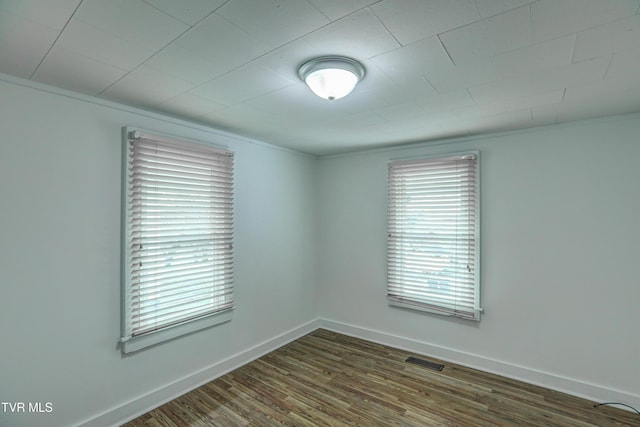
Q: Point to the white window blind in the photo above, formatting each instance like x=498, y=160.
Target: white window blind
x=178, y=237
x=433, y=235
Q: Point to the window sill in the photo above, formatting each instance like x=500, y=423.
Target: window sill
x=133, y=344
x=443, y=311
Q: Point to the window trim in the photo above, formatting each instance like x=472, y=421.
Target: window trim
x=132, y=343
x=475, y=313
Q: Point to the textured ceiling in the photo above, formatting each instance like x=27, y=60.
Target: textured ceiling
x=435, y=68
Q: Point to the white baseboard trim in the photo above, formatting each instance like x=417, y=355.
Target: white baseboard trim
x=143, y=404
x=570, y=386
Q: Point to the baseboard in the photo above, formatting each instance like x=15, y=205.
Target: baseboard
x=570, y=386
x=142, y=404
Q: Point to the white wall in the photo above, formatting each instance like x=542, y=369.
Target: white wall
x=559, y=253
x=559, y=257
x=60, y=172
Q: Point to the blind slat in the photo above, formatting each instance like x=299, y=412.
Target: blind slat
x=433, y=231
x=179, y=250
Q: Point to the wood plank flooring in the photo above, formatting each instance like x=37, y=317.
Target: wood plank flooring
x=328, y=379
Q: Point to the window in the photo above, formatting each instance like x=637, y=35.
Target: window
x=433, y=235
x=177, y=238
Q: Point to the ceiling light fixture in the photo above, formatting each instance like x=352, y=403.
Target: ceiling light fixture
x=331, y=77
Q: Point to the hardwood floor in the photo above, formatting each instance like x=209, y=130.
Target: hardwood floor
x=328, y=379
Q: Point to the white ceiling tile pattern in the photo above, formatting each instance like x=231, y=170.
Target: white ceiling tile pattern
x=83, y=38
x=578, y=73
x=491, y=36
x=76, y=72
x=188, y=11
x=435, y=68
x=23, y=44
x=412, y=20
x=489, y=8
x=197, y=107
x=181, y=63
x=620, y=65
x=359, y=34
x=146, y=87
x=425, y=57
x=246, y=82
x=612, y=37
x=55, y=16
x=221, y=43
x=131, y=20
x=555, y=18
x=335, y=9
x=275, y=22
x=541, y=56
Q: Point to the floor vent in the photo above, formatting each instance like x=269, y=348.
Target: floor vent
x=425, y=363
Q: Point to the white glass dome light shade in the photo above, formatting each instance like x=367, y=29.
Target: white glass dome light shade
x=331, y=83
x=331, y=77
